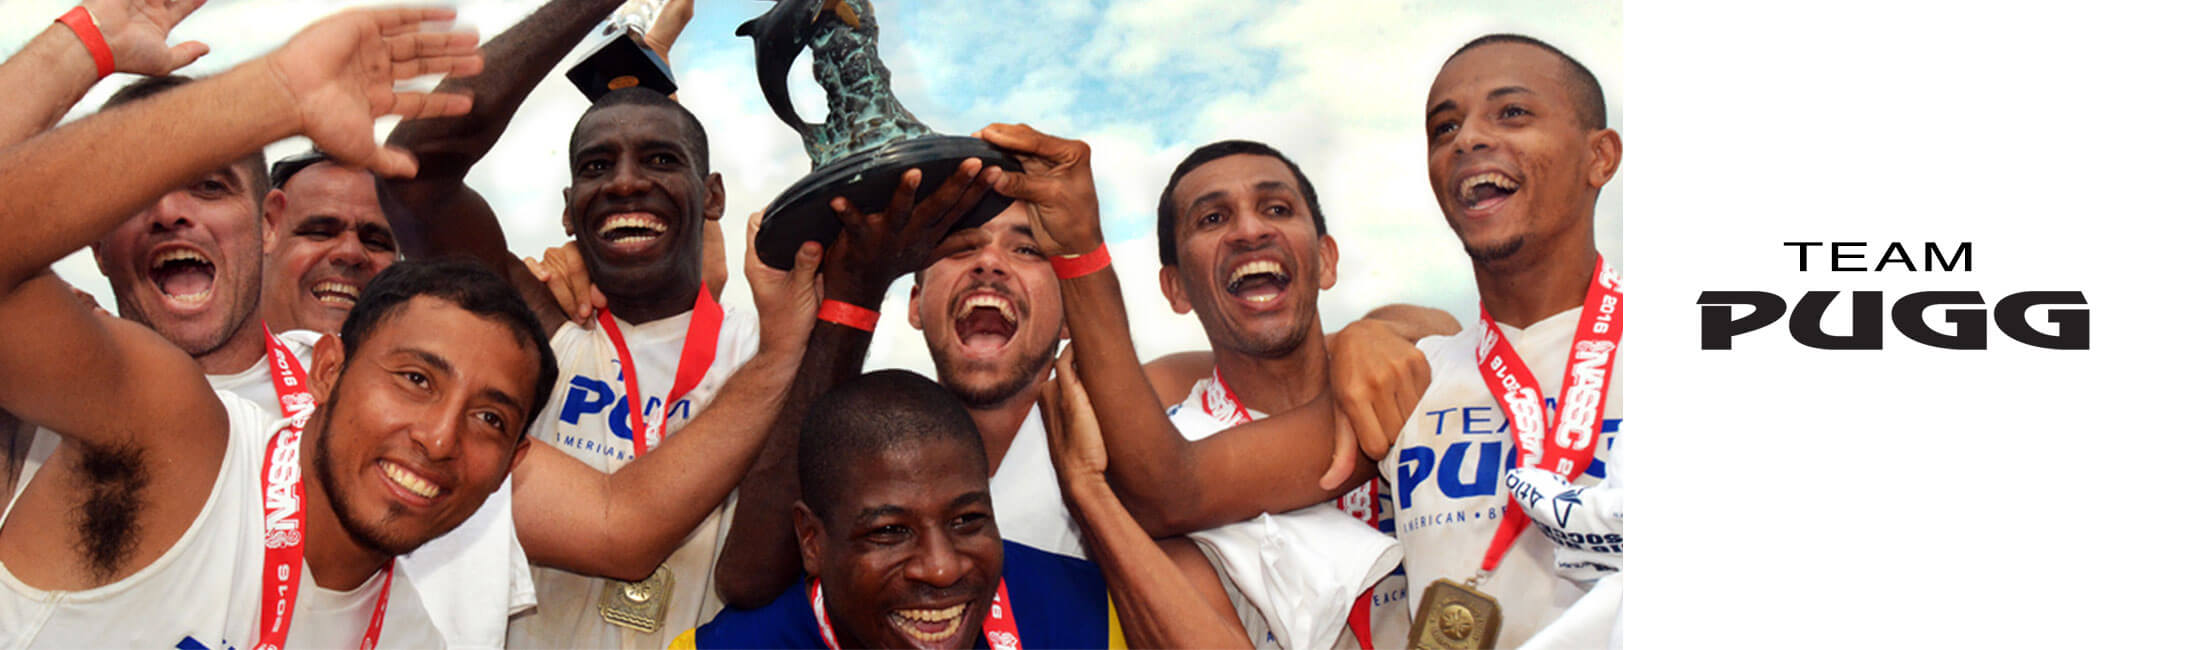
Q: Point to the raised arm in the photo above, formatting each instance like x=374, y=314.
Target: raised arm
x=54, y=70
x=436, y=213
x=567, y=512
x=1158, y=605
x=1171, y=486
x=760, y=558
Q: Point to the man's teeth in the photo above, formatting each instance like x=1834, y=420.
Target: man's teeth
x=1495, y=179
x=988, y=300
x=640, y=221
x=953, y=616
x=1257, y=266
x=413, y=482
x=330, y=291
x=179, y=255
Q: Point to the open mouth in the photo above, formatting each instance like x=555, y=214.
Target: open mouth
x=185, y=276
x=1486, y=190
x=335, y=293
x=1258, y=282
x=409, y=482
x=930, y=625
x=632, y=230
x=985, y=321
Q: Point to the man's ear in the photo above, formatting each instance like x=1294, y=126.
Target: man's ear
x=1174, y=289
x=569, y=229
x=277, y=202
x=808, y=527
x=327, y=363
x=912, y=305
x=1604, y=159
x=715, y=197
x=1326, y=262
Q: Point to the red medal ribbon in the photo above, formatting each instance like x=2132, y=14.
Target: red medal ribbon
x=282, y=496
x=699, y=353
x=1573, y=430
x=1219, y=402
x=1001, y=628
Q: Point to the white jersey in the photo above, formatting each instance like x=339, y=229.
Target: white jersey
x=1293, y=576
x=1446, y=470
x=1030, y=507
x=471, y=579
x=588, y=417
x=204, y=591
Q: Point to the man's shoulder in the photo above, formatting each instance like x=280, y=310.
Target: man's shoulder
x=786, y=622
x=1058, y=600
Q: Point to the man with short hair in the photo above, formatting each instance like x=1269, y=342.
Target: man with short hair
x=325, y=236
x=898, y=534
x=1518, y=152
x=406, y=450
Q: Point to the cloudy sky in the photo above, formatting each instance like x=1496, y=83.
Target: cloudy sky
x=1336, y=84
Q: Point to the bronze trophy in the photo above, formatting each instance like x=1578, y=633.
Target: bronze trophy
x=869, y=139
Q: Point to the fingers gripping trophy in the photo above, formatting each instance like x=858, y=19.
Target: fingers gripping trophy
x=867, y=142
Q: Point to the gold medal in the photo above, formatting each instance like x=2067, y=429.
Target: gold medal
x=1454, y=617
x=641, y=605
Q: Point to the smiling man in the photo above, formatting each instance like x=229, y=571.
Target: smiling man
x=325, y=237
x=898, y=535
x=179, y=505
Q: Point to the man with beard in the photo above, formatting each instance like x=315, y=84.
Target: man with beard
x=631, y=391
x=183, y=267
x=159, y=505
x=1518, y=151
x=899, y=537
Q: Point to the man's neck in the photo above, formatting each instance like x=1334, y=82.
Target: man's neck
x=672, y=301
x=1280, y=384
x=999, y=424
x=237, y=354
x=1521, y=292
x=338, y=561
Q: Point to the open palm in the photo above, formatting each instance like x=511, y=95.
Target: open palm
x=341, y=72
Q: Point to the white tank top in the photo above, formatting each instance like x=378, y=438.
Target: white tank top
x=1446, y=471
x=203, y=592
x=588, y=417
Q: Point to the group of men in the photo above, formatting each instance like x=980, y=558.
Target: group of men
x=288, y=436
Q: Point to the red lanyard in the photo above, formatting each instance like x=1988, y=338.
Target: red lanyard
x=1581, y=408
x=1219, y=402
x=1001, y=628
x=692, y=364
x=282, y=496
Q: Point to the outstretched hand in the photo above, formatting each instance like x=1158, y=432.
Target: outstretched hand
x=136, y=33
x=1377, y=378
x=874, y=249
x=341, y=73
x=1075, y=438
x=787, y=300
x=1058, y=187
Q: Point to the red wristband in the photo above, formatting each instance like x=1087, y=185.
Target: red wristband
x=848, y=315
x=79, y=20
x=1073, y=266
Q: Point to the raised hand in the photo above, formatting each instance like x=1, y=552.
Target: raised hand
x=1058, y=187
x=875, y=249
x=1075, y=439
x=136, y=32
x=564, y=273
x=341, y=72
x=787, y=300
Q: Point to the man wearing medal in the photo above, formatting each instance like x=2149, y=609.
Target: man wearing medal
x=1518, y=151
x=201, y=517
x=187, y=266
x=662, y=404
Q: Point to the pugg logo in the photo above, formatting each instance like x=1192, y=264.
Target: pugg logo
x=1966, y=330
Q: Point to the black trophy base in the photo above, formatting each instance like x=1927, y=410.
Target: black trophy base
x=867, y=179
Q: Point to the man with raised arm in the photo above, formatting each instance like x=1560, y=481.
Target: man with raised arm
x=658, y=410
x=159, y=506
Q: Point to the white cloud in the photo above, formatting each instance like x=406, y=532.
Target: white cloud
x=1338, y=85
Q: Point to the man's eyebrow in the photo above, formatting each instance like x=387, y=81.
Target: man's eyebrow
x=1212, y=195
x=1447, y=105
x=968, y=499
x=876, y=512
x=320, y=221
x=428, y=358
x=1510, y=90
x=1273, y=186
x=1027, y=231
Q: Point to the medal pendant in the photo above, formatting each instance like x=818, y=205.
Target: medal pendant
x=1454, y=617
x=641, y=605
